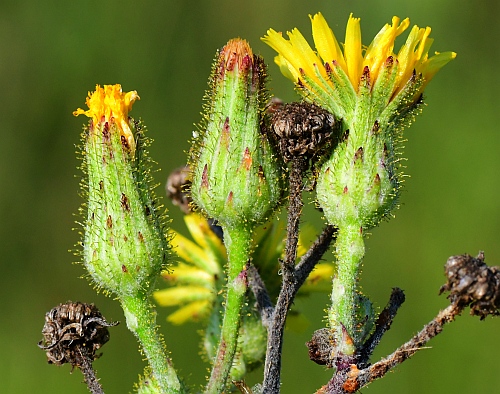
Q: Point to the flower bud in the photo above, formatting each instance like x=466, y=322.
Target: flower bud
x=376, y=92
x=236, y=175
x=124, y=247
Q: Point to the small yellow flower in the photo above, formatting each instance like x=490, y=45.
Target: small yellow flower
x=109, y=103
x=297, y=60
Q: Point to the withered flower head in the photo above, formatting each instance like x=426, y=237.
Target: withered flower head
x=301, y=129
x=73, y=331
x=473, y=283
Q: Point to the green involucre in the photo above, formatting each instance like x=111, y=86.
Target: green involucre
x=124, y=246
x=237, y=177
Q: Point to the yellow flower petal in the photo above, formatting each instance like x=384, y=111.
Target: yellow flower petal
x=430, y=67
x=286, y=52
x=109, y=103
x=320, y=279
x=325, y=41
x=408, y=55
x=187, y=274
x=286, y=68
x=205, y=238
x=307, y=56
x=181, y=295
x=382, y=45
x=352, y=50
x=195, y=311
x=191, y=252
x=295, y=55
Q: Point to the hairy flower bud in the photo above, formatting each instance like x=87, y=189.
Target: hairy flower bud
x=236, y=175
x=124, y=247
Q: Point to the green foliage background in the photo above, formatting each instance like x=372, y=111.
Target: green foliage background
x=53, y=52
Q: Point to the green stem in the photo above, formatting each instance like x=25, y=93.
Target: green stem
x=141, y=320
x=237, y=241
x=350, y=249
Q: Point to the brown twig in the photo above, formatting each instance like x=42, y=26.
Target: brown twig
x=471, y=283
x=272, y=368
x=382, y=325
x=309, y=260
x=88, y=372
x=258, y=288
x=352, y=379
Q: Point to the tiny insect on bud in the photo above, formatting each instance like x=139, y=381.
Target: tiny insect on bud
x=177, y=188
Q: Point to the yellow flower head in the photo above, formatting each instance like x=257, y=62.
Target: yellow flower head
x=297, y=60
x=109, y=103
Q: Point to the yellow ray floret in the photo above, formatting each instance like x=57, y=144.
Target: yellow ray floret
x=195, y=311
x=296, y=58
x=110, y=103
x=181, y=295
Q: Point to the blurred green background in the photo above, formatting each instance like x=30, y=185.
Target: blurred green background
x=53, y=52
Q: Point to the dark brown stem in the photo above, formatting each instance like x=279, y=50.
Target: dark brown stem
x=85, y=365
x=407, y=350
x=314, y=254
x=353, y=379
x=299, y=166
x=264, y=304
x=382, y=325
x=272, y=368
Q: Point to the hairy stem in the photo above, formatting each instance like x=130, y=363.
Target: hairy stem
x=88, y=372
x=141, y=320
x=350, y=249
x=238, y=243
x=272, y=368
x=258, y=288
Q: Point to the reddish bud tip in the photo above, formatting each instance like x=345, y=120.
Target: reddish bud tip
x=236, y=55
x=359, y=154
x=225, y=136
x=247, y=159
x=204, y=177
x=365, y=77
x=328, y=68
